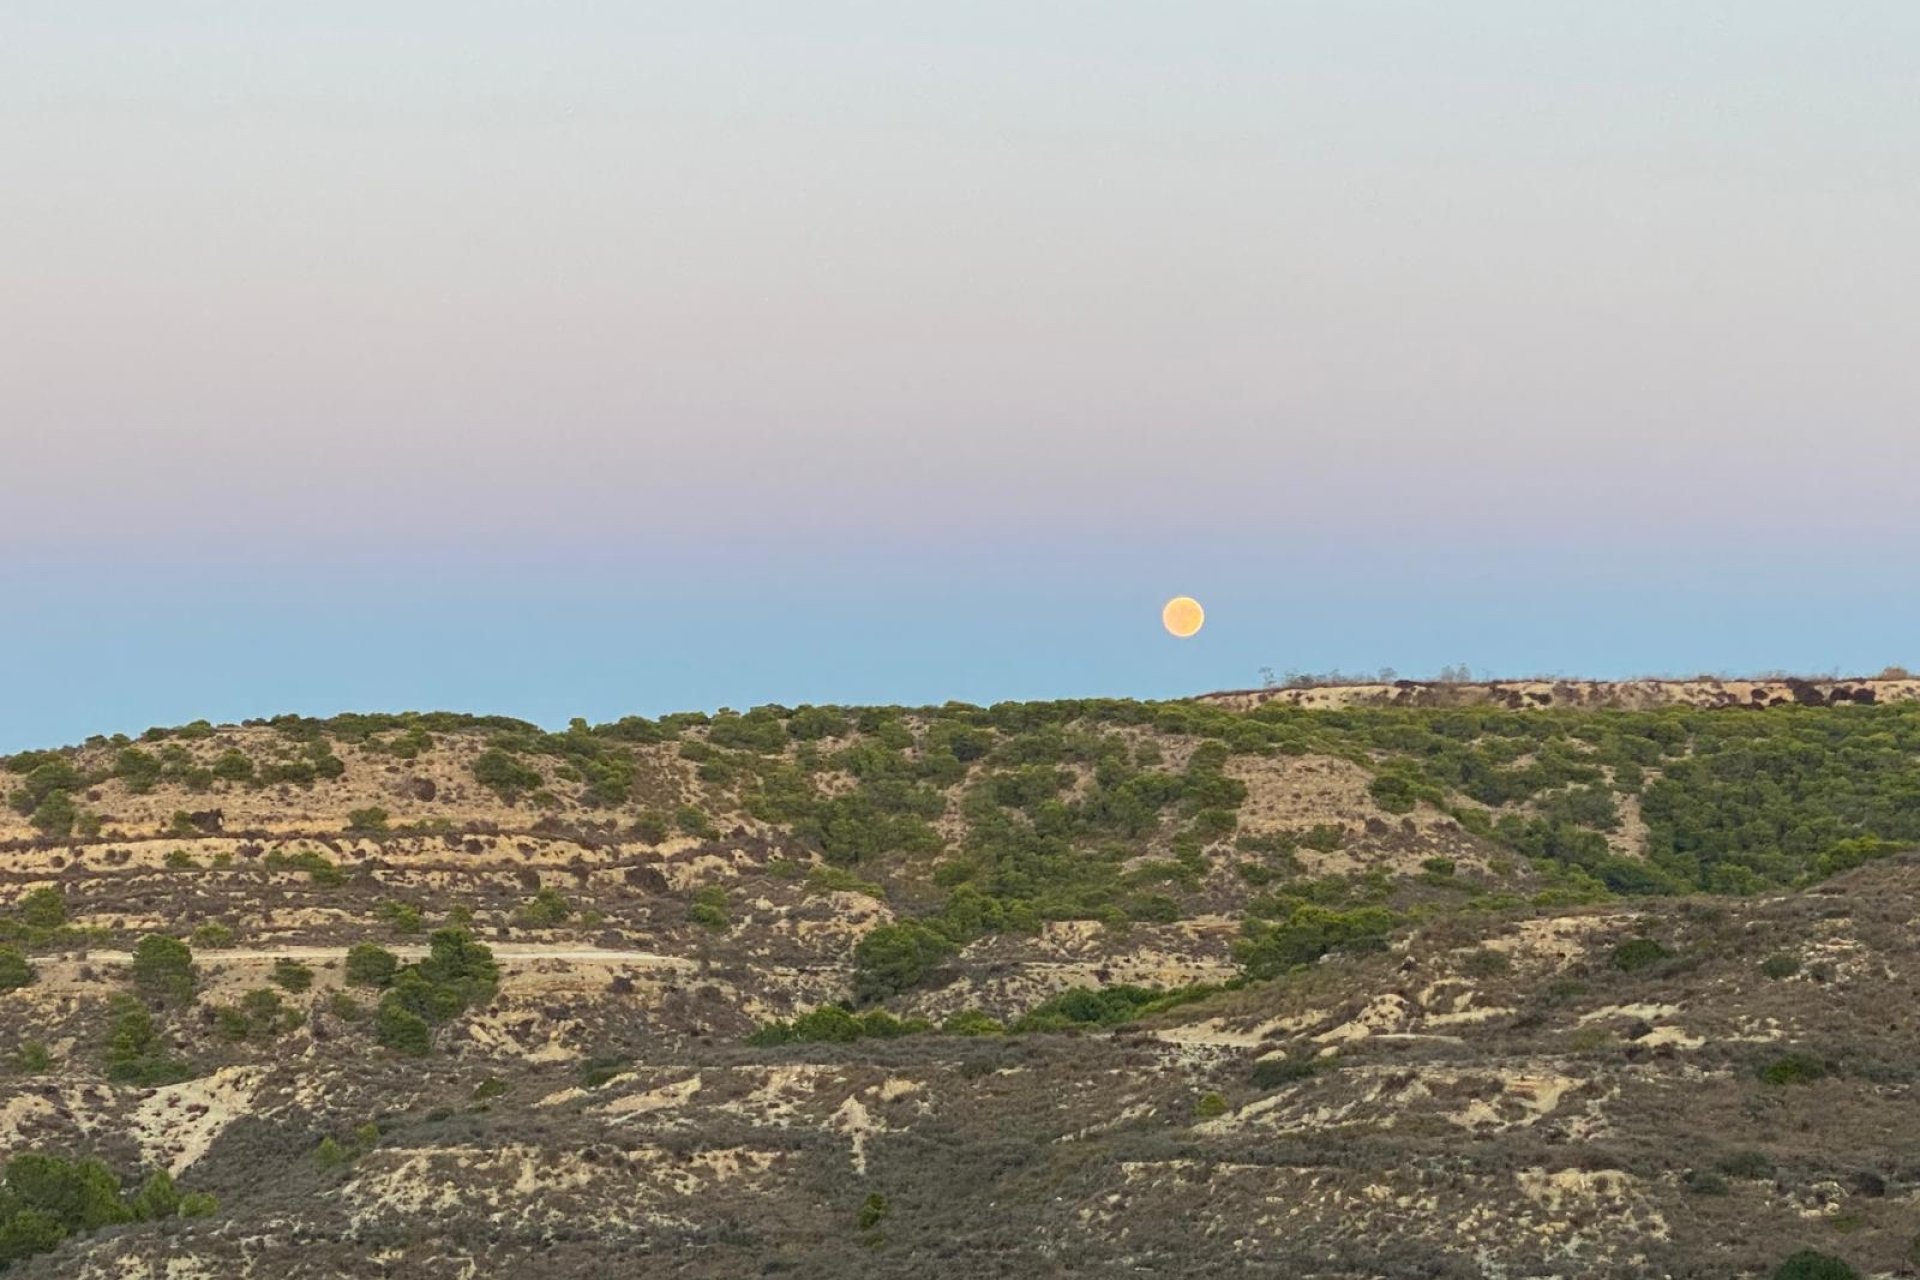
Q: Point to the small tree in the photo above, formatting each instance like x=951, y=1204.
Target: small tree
x=15, y=972
x=292, y=975
x=369, y=821
x=402, y=1030
x=163, y=968
x=371, y=965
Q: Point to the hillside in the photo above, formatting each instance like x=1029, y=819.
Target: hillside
x=1604, y=985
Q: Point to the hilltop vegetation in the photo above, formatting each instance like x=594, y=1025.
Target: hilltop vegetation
x=747, y=940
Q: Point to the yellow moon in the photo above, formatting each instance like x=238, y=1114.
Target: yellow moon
x=1183, y=616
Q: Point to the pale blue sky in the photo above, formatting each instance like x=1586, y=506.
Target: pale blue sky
x=375, y=355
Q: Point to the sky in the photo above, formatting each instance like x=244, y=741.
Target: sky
x=595, y=359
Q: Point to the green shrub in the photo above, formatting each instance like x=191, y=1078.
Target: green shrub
x=505, y=776
x=371, y=965
x=1271, y=1073
x=198, y=1204
x=211, y=936
x=1636, y=954
x=291, y=975
x=649, y=828
x=874, y=1211
x=42, y=908
x=163, y=968
x=402, y=917
x=457, y=974
x=46, y=1198
x=1705, y=1182
x=1793, y=1068
x=545, y=909
x=829, y=1023
x=157, y=1198
x=709, y=908
x=32, y=1058
x=368, y=821
x=972, y=1022
x=15, y=972
x=1394, y=792
x=179, y=860
x=693, y=822
x=135, y=1052
x=1308, y=932
x=1210, y=1106
x=1809, y=1264
x=594, y=1072
x=1745, y=1164
x=232, y=765
x=56, y=816
x=896, y=957
x=402, y=1030
x=1780, y=966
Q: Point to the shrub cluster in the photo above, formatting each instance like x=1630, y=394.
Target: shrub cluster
x=46, y=1198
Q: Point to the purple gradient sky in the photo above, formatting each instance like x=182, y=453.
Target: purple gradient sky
x=577, y=358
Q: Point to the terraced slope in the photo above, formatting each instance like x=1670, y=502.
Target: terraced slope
x=1075, y=988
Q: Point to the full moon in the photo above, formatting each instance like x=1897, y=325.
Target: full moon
x=1183, y=616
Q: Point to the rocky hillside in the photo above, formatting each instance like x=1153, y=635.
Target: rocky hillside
x=1064, y=988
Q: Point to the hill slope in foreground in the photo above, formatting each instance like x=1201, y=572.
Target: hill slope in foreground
x=1083, y=988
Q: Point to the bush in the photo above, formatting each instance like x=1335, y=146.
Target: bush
x=1308, y=932
x=709, y=908
x=693, y=822
x=1705, y=1182
x=1210, y=1106
x=1808, y=1264
x=163, y=968
x=594, y=1072
x=371, y=965
x=505, y=776
x=1271, y=1073
x=15, y=972
x=1793, y=1068
x=830, y=1024
x=135, y=1053
x=46, y=1198
x=32, y=1058
x=873, y=1211
x=457, y=974
x=896, y=957
x=212, y=936
x=292, y=975
x=545, y=909
x=1745, y=1164
x=43, y=908
x=402, y=1030
x=157, y=1198
x=56, y=816
x=1636, y=954
x=972, y=1022
x=404, y=917
x=369, y=821
x=1780, y=966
